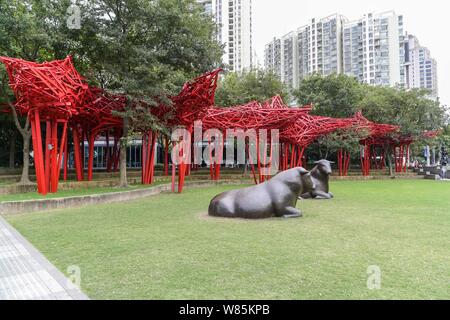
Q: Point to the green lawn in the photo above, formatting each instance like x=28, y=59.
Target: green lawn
x=164, y=247
x=71, y=193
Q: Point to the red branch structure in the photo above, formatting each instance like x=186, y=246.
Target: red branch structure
x=56, y=98
x=49, y=93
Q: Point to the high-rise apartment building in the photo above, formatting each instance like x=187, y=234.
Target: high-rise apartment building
x=420, y=67
x=373, y=49
x=370, y=48
x=272, y=56
x=313, y=48
x=234, y=30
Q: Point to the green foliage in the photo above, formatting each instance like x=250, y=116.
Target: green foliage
x=346, y=139
x=141, y=48
x=256, y=85
x=146, y=49
x=333, y=96
x=444, y=138
x=341, y=96
x=409, y=109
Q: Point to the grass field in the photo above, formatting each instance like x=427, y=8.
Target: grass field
x=165, y=247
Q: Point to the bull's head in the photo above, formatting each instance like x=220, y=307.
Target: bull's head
x=324, y=166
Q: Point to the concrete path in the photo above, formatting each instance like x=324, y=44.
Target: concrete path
x=25, y=274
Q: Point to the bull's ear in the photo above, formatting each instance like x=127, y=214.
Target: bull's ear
x=331, y=162
x=303, y=171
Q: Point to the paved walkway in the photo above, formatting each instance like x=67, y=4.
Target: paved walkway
x=25, y=274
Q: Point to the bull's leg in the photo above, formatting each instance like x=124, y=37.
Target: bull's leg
x=308, y=195
x=323, y=195
x=291, y=212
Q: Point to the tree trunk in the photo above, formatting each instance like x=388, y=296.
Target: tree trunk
x=12, y=150
x=25, y=132
x=25, y=179
x=123, y=155
x=389, y=160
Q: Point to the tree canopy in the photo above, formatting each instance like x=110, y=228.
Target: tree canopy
x=255, y=85
x=333, y=96
x=342, y=96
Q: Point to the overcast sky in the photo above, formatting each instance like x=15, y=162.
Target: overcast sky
x=428, y=20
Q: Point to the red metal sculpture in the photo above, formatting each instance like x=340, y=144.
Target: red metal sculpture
x=55, y=94
x=50, y=93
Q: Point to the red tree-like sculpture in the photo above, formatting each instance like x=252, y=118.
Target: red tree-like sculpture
x=54, y=93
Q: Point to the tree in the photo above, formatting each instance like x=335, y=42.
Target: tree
x=256, y=85
x=335, y=95
x=412, y=110
x=346, y=139
x=145, y=50
x=342, y=96
x=22, y=35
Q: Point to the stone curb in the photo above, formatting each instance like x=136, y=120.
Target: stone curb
x=28, y=206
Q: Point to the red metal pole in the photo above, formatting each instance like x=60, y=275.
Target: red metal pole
x=48, y=139
x=152, y=160
x=54, y=158
x=77, y=154
x=91, y=155
x=107, y=153
x=181, y=171
x=258, y=159
x=62, y=149
x=166, y=156
x=35, y=154
x=173, y=170
x=143, y=158
x=40, y=165
x=211, y=165
x=66, y=155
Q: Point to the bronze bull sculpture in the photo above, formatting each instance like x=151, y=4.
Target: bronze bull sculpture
x=276, y=197
x=320, y=175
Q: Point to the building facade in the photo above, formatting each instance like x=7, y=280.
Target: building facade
x=420, y=67
x=373, y=49
x=233, y=19
x=272, y=56
x=313, y=48
x=370, y=48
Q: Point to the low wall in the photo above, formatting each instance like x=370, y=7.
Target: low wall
x=27, y=206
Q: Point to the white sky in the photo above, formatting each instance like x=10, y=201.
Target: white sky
x=428, y=20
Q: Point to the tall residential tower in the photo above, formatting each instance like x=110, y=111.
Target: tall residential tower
x=421, y=68
x=370, y=48
x=234, y=30
x=313, y=48
x=373, y=49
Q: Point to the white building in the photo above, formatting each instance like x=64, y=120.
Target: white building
x=272, y=56
x=421, y=68
x=313, y=48
x=370, y=49
x=373, y=49
x=234, y=30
